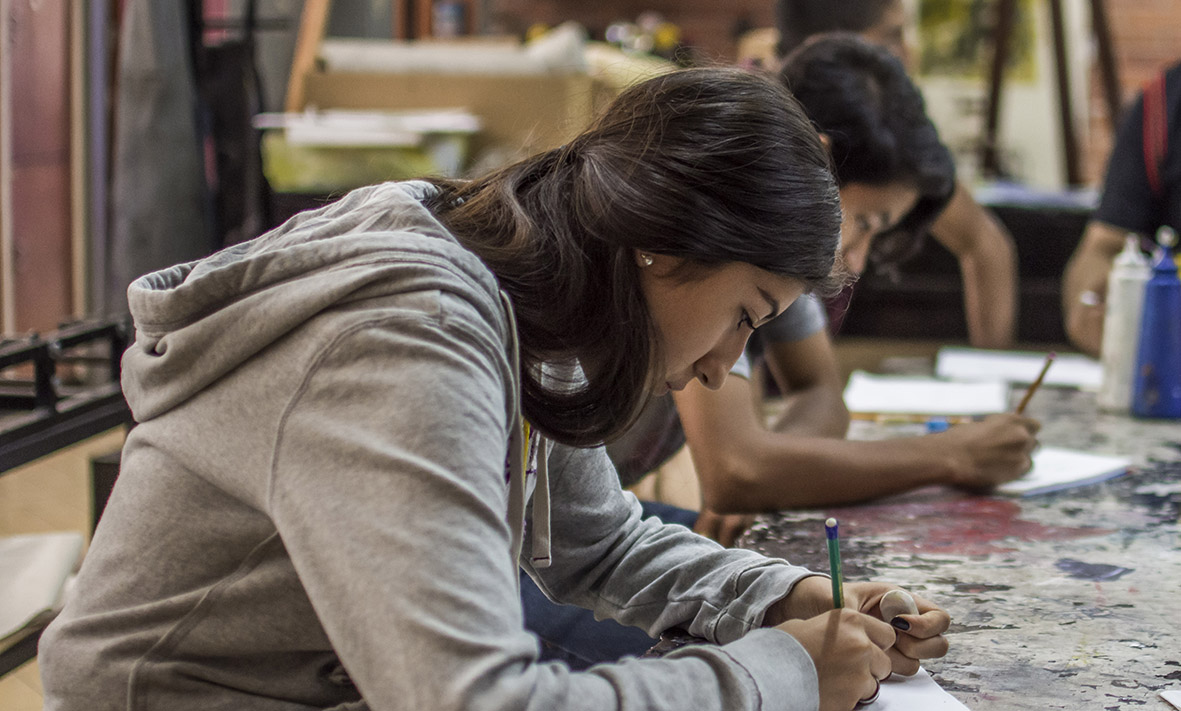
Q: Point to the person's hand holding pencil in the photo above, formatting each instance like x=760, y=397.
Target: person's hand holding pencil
x=853, y=647
x=983, y=455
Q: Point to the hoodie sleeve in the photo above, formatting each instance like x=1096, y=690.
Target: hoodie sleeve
x=388, y=490
x=642, y=572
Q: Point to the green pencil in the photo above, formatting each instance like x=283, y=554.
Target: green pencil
x=834, y=562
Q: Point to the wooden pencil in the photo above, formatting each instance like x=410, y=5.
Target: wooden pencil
x=1036, y=383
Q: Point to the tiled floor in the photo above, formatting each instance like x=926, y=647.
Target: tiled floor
x=51, y=494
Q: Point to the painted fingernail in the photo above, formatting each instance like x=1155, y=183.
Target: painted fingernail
x=900, y=623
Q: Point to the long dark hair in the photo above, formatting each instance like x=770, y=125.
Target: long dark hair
x=713, y=165
x=798, y=20
x=858, y=94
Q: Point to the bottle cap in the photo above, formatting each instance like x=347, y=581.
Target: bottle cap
x=937, y=424
x=1166, y=236
x=1131, y=255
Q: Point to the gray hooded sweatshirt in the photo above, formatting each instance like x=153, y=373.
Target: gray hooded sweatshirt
x=314, y=512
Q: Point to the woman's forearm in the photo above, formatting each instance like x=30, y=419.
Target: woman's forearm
x=773, y=470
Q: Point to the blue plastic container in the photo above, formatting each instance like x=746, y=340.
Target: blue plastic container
x=1157, y=385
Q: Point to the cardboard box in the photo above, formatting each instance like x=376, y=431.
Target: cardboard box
x=520, y=114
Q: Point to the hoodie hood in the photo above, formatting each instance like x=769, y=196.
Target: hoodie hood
x=195, y=322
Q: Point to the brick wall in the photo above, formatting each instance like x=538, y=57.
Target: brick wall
x=1146, y=36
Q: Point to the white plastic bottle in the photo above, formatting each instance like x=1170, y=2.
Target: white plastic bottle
x=1121, y=325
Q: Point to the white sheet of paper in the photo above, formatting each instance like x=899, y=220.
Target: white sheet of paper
x=1173, y=697
x=33, y=571
x=1055, y=469
x=914, y=693
x=1019, y=367
x=871, y=394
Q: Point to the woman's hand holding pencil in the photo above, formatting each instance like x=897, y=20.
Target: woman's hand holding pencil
x=985, y=454
x=853, y=648
x=869, y=631
x=849, y=651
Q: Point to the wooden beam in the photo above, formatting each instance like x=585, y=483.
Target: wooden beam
x=1107, y=66
x=422, y=19
x=1070, y=153
x=79, y=161
x=312, y=23
x=7, y=247
x=990, y=155
x=401, y=15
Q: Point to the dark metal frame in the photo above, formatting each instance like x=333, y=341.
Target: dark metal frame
x=40, y=416
x=23, y=650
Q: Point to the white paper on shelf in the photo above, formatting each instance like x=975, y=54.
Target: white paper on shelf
x=33, y=571
x=368, y=128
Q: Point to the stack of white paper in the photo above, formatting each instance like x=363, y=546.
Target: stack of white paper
x=33, y=571
x=868, y=394
x=1055, y=469
x=915, y=693
x=1018, y=367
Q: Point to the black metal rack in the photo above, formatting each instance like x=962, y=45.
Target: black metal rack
x=40, y=410
x=43, y=410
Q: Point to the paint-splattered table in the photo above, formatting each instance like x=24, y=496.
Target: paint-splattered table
x=1070, y=600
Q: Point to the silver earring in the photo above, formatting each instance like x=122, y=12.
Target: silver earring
x=646, y=259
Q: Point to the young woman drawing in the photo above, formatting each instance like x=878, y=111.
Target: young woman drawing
x=353, y=429
x=894, y=177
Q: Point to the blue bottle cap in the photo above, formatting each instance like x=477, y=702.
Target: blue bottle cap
x=937, y=424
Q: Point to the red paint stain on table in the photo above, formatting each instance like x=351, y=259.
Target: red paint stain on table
x=967, y=526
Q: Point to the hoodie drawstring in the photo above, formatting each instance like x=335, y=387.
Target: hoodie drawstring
x=519, y=438
x=541, y=510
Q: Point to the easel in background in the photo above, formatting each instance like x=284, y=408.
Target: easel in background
x=1006, y=10
x=412, y=19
